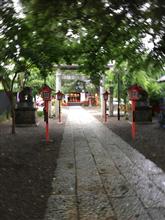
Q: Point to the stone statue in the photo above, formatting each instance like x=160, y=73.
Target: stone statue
x=25, y=97
x=25, y=111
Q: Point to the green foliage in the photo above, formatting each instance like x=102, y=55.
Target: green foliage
x=93, y=32
x=89, y=33
x=40, y=113
x=147, y=80
x=35, y=80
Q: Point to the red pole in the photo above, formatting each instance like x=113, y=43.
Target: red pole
x=133, y=119
x=47, y=125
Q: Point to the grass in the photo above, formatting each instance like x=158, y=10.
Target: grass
x=40, y=113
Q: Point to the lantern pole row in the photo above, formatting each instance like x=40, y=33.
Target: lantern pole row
x=46, y=95
x=59, y=96
x=105, y=96
x=46, y=120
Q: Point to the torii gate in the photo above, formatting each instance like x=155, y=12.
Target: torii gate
x=60, y=76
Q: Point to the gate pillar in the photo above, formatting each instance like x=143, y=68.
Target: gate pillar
x=58, y=88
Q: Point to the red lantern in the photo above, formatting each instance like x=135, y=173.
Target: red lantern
x=46, y=93
x=59, y=98
x=59, y=95
x=134, y=92
x=105, y=95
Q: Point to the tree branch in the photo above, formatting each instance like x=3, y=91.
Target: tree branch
x=12, y=82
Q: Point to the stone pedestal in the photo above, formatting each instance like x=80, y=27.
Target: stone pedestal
x=142, y=114
x=25, y=113
x=25, y=116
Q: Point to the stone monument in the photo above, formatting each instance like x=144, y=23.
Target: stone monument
x=25, y=112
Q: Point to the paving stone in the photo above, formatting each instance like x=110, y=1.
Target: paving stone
x=88, y=178
x=117, y=186
x=67, y=144
x=66, y=148
x=104, y=134
x=106, y=166
x=83, y=158
x=134, y=176
x=129, y=208
x=89, y=184
x=110, y=178
x=144, y=188
x=121, y=161
x=159, y=180
x=67, y=136
x=84, y=161
x=89, y=133
x=139, y=160
x=146, y=165
x=150, y=195
x=63, y=183
x=132, y=153
x=157, y=213
x=95, y=207
x=82, y=148
x=64, y=177
x=66, y=163
x=61, y=207
x=102, y=159
x=149, y=167
x=68, y=153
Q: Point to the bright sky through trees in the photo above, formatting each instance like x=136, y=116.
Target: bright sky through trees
x=147, y=40
x=18, y=8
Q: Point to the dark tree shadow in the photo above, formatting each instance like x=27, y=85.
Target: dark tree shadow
x=27, y=166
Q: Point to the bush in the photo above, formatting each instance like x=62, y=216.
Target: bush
x=40, y=113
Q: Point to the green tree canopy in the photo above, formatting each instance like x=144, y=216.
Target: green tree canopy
x=93, y=32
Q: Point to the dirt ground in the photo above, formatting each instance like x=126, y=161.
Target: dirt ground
x=149, y=139
x=27, y=166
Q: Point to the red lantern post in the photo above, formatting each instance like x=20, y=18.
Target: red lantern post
x=133, y=92
x=59, y=98
x=46, y=95
x=105, y=96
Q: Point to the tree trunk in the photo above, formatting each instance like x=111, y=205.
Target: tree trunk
x=9, y=92
x=13, y=118
x=12, y=102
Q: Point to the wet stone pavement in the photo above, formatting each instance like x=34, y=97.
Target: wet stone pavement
x=100, y=176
